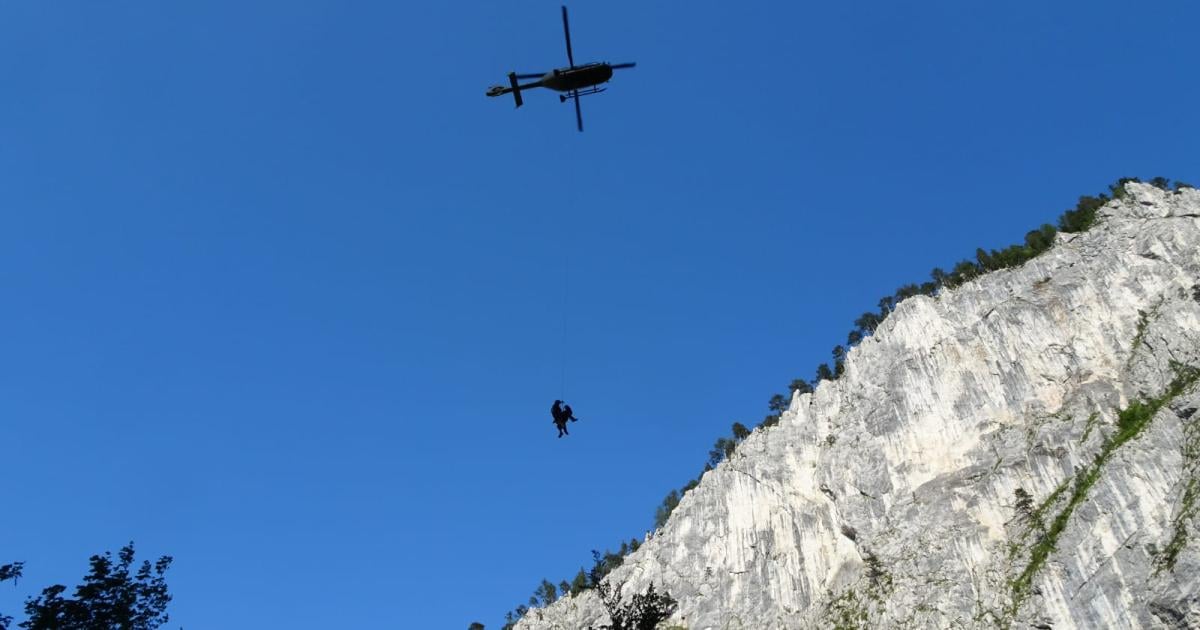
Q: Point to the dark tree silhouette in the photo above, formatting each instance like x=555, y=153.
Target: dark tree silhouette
x=800, y=385
x=721, y=450
x=644, y=611
x=9, y=572
x=986, y=260
x=964, y=271
x=545, y=595
x=580, y=583
x=867, y=322
x=1024, y=504
x=1118, y=189
x=887, y=304
x=839, y=360
x=1083, y=215
x=109, y=598
x=1040, y=240
x=740, y=432
x=824, y=373
x=664, y=511
x=603, y=564
x=906, y=291
x=475, y=625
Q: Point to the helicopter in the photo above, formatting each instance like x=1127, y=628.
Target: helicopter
x=576, y=81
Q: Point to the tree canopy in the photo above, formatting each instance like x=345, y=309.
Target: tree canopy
x=113, y=596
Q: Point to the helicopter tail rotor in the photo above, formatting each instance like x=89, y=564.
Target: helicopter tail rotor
x=516, y=89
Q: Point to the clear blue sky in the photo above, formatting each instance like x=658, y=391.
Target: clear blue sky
x=281, y=292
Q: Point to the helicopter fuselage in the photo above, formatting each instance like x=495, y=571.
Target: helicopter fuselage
x=577, y=78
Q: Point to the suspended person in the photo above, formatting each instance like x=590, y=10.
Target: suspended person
x=560, y=417
x=568, y=414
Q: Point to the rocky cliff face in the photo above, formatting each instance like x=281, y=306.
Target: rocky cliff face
x=892, y=497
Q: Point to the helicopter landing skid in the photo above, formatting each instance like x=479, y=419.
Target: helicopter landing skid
x=562, y=98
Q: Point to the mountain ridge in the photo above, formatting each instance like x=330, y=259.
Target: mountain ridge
x=889, y=496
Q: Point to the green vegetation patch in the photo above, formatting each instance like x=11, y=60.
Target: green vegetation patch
x=1144, y=320
x=851, y=610
x=1179, y=537
x=1091, y=424
x=847, y=612
x=1189, y=506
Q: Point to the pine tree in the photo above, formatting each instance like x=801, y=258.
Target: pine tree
x=964, y=271
x=1118, y=189
x=740, y=432
x=1040, y=240
x=985, y=259
x=721, y=450
x=800, y=385
x=664, y=511
x=1083, y=215
x=1024, y=504
x=906, y=291
x=580, y=582
x=839, y=360
x=545, y=595
x=867, y=322
x=824, y=373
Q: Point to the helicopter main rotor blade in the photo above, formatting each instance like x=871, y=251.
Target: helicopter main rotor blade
x=531, y=75
x=619, y=66
x=578, y=112
x=567, y=32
